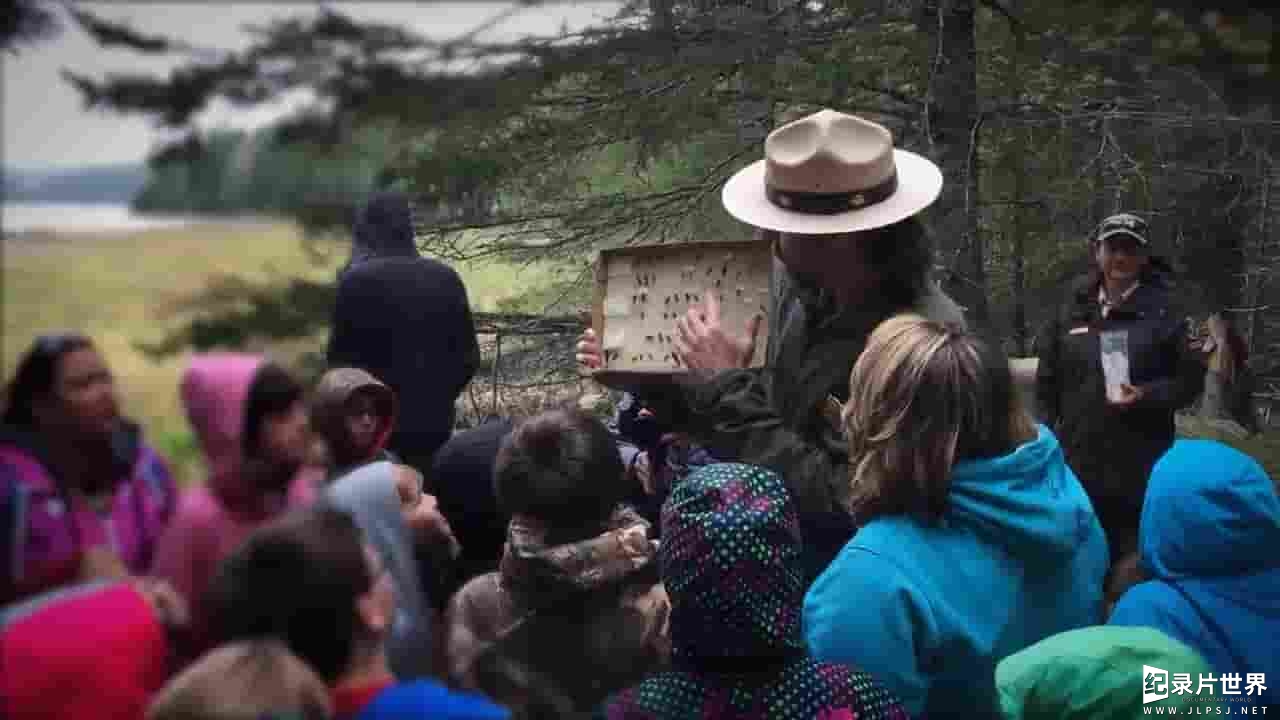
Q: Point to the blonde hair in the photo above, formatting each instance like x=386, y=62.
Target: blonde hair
x=923, y=396
x=244, y=681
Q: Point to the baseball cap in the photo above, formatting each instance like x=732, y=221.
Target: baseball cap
x=1123, y=224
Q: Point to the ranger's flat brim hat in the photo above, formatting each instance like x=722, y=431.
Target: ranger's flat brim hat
x=831, y=173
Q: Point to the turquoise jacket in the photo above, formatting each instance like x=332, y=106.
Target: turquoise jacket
x=929, y=609
x=1208, y=539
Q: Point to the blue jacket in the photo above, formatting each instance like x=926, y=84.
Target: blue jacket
x=1208, y=537
x=428, y=699
x=370, y=495
x=929, y=609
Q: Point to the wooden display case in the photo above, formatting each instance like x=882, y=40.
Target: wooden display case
x=640, y=293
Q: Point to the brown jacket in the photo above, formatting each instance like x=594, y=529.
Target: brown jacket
x=558, y=610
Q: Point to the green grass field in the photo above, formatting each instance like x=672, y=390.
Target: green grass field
x=120, y=289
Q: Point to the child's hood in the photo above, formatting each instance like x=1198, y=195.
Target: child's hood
x=215, y=394
x=328, y=408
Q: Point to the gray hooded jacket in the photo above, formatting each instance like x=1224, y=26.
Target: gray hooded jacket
x=369, y=494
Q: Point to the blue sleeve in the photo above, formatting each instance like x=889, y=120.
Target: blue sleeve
x=1137, y=608
x=1185, y=379
x=1151, y=604
x=1155, y=605
x=160, y=479
x=13, y=521
x=864, y=612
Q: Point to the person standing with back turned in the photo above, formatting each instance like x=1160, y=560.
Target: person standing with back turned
x=406, y=320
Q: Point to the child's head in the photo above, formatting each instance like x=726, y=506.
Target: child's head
x=354, y=413
x=747, y=602
x=275, y=425
x=63, y=386
x=244, y=681
x=311, y=580
x=563, y=469
x=922, y=397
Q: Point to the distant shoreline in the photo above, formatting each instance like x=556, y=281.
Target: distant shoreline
x=38, y=222
x=36, y=239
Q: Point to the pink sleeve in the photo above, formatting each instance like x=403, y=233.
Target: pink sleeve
x=187, y=557
x=186, y=553
x=306, y=486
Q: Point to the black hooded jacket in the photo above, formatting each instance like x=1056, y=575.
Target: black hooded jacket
x=1112, y=450
x=406, y=320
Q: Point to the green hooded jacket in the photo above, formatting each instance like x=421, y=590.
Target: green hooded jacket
x=1098, y=673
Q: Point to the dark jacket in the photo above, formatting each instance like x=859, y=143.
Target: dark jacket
x=670, y=455
x=462, y=480
x=1112, y=450
x=405, y=319
x=774, y=416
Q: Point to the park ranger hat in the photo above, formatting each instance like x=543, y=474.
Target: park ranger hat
x=831, y=173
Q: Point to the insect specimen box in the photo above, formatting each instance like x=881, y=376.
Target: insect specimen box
x=642, y=291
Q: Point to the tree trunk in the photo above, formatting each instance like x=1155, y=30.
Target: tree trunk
x=662, y=22
x=952, y=124
x=754, y=115
x=1258, y=286
x=1021, y=336
x=1258, y=337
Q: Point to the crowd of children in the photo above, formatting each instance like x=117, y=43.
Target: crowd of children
x=871, y=526
x=294, y=581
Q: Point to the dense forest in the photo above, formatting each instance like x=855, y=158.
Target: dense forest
x=1044, y=116
x=260, y=172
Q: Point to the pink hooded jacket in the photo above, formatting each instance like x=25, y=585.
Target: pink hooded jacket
x=212, y=519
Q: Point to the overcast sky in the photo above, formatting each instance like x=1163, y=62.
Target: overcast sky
x=45, y=124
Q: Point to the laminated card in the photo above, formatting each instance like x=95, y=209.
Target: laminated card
x=642, y=291
x=1114, y=345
